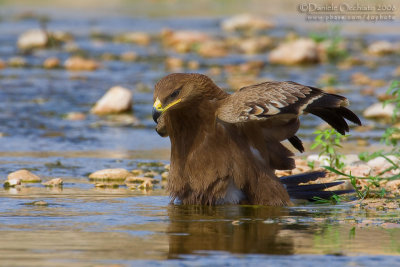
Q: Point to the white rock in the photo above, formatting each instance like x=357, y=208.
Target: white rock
x=381, y=162
x=295, y=52
x=111, y=174
x=24, y=176
x=246, y=21
x=12, y=182
x=117, y=100
x=322, y=160
x=32, y=39
x=377, y=110
x=381, y=48
x=54, y=182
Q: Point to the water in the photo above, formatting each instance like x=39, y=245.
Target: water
x=83, y=225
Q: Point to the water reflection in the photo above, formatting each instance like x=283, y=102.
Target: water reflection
x=235, y=229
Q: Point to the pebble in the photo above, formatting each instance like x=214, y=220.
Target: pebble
x=40, y=203
x=106, y=185
x=140, y=38
x=75, y=116
x=378, y=111
x=117, y=100
x=17, y=62
x=137, y=172
x=193, y=64
x=174, y=63
x=110, y=174
x=129, y=56
x=380, y=48
x=322, y=160
x=246, y=22
x=172, y=38
x=25, y=176
x=150, y=174
x=255, y=45
x=164, y=175
x=35, y=38
x=51, y=63
x=54, y=182
x=361, y=170
x=12, y=182
x=213, y=49
x=300, y=51
x=2, y=64
x=146, y=185
x=78, y=63
x=138, y=179
x=381, y=162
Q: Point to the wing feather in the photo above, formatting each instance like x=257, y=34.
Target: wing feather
x=285, y=100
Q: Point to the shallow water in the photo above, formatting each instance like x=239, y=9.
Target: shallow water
x=80, y=224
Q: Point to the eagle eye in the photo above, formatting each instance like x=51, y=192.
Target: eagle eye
x=175, y=93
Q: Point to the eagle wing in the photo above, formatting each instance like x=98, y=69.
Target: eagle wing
x=284, y=101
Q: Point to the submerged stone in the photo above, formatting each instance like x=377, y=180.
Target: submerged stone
x=25, y=176
x=54, y=182
x=110, y=174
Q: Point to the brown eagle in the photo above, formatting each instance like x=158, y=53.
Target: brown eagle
x=225, y=148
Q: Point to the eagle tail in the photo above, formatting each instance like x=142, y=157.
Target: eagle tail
x=310, y=191
x=331, y=108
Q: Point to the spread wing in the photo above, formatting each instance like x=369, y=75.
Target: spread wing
x=285, y=101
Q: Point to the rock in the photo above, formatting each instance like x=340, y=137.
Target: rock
x=2, y=64
x=140, y=38
x=213, y=49
x=246, y=22
x=75, y=116
x=146, y=185
x=17, y=62
x=381, y=48
x=254, y=45
x=110, y=174
x=174, y=63
x=61, y=36
x=35, y=38
x=393, y=185
x=25, y=176
x=164, y=175
x=360, y=79
x=322, y=160
x=183, y=41
x=378, y=111
x=300, y=51
x=192, y=64
x=361, y=170
x=40, y=203
x=129, y=56
x=150, y=174
x=54, y=182
x=106, y=185
x=380, y=163
x=117, y=100
x=51, y=63
x=137, y=179
x=12, y=183
x=78, y=63
x=137, y=172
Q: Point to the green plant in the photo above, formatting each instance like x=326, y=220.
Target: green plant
x=329, y=140
x=333, y=37
x=334, y=199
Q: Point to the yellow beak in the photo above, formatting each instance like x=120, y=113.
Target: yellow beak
x=158, y=109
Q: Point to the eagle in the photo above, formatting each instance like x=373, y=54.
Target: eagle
x=225, y=148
